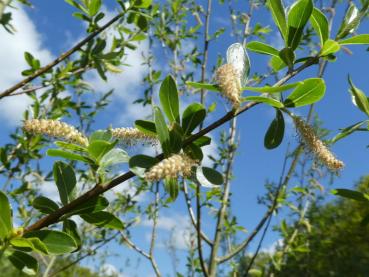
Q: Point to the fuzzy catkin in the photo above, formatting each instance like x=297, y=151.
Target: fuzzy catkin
x=228, y=79
x=56, y=129
x=316, y=146
x=172, y=167
x=132, y=135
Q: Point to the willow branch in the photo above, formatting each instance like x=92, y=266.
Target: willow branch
x=192, y=214
x=101, y=188
x=61, y=58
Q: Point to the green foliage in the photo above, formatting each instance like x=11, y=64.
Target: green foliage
x=274, y=135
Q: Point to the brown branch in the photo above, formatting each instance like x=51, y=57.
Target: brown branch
x=101, y=188
x=61, y=58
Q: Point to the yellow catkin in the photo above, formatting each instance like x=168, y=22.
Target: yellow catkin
x=132, y=136
x=172, y=167
x=315, y=145
x=56, y=129
x=228, y=79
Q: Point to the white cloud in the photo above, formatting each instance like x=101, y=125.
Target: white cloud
x=273, y=247
x=26, y=38
x=177, y=227
x=109, y=269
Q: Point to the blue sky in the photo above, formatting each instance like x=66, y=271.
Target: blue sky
x=49, y=29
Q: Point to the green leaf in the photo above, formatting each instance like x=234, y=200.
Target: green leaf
x=65, y=180
x=140, y=163
x=56, y=242
x=169, y=99
x=298, y=16
x=210, y=87
x=279, y=17
x=262, y=48
x=274, y=136
x=6, y=224
x=113, y=157
x=70, y=146
x=70, y=228
x=351, y=194
x=24, y=262
x=359, y=39
x=208, y=177
x=308, y=92
x=100, y=135
x=176, y=138
x=202, y=141
x=276, y=64
x=30, y=244
x=146, y=126
x=142, y=3
x=103, y=219
x=350, y=22
x=162, y=130
x=268, y=89
x=171, y=186
x=347, y=131
x=194, y=151
x=267, y=100
x=98, y=148
x=44, y=205
x=359, y=97
x=93, y=205
x=68, y=155
x=192, y=117
x=330, y=47
x=94, y=7
x=288, y=56
x=320, y=24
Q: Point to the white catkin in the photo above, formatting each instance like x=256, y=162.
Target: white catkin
x=132, y=136
x=228, y=79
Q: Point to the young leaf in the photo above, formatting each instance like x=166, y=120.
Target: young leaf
x=208, y=177
x=320, y=24
x=29, y=244
x=65, y=180
x=347, y=131
x=192, y=117
x=56, y=242
x=262, y=48
x=6, y=224
x=169, y=99
x=359, y=97
x=330, y=47
x=24, y=262
x=274, y=136
x=70, y=146
x=298, y=16
x=146, y=126
x=172, y=188
x=100, y=135
x=267, y=100
x=113, y=157
x=162, y=130
x=279, y=17
x=359, y=39
x=44, y=205
x=350, y=22
x=103, y=219
x=308, y=92
x=94, y=7
x=140, y=163
x=276, y=63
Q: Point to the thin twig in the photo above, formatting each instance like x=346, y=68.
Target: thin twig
x=192, y=214
x=198, y=231
x=61, y=58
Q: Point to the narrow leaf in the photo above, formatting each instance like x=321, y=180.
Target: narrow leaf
x=262, y=48
x=274, y=136
x=65, y=180
x=169, y=99
x=359, y=39
x=103, y=219
x=6, y=224
x=320, y=24
x=162, y=130
x=267, y=100
x=279, y=17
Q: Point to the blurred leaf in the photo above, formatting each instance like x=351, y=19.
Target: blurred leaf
x=330, y=47
x=30, y=244
x=279, y=17
x=70, y=228
x=98, y=148
x=162, y=131
x=209, y=177
x=347, y=131
x=210, y=87
x=359, y=39
x=359, y=97
x=192, y=117
x=171, y=186
x=288, y=56
x=100, y=135
x=140, y=163
x=113, y=157
x=6, y=224
x=146, y=126
x=268, y=89
x=103, y=219
x=267, y=100
x=24, y=262
x=351, y=194
x=93, y=205
x=68, y=155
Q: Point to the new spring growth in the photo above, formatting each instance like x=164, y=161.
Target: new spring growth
x=56, y=129
x=228, y=80
x=316, y=146
x=172, y=167
x=132, y=135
